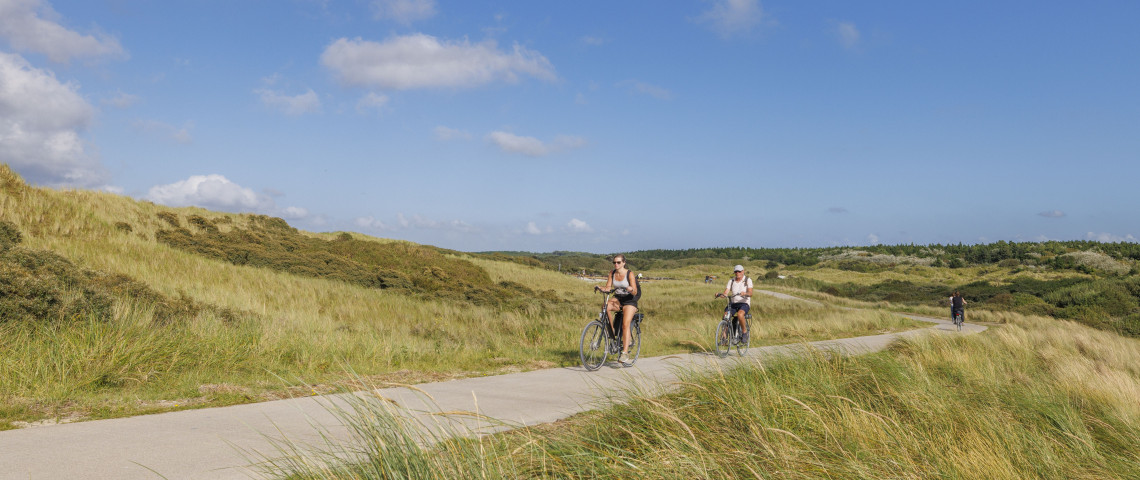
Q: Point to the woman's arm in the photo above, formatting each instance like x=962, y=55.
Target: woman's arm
x=632, y=282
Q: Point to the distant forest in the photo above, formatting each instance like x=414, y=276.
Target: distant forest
x=1050, y=253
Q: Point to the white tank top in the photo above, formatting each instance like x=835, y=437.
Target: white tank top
x=621, y=283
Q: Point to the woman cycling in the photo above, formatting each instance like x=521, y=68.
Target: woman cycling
x=626, y=293
x=957, y=305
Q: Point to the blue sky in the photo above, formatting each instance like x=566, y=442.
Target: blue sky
x=594, y=126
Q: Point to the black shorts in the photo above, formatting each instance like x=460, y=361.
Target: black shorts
x=736, y=307
x=628, y=300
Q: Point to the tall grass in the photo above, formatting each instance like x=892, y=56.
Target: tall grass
x=296, y=330
x=1037, y=398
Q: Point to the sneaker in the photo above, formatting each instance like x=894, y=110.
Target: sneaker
x=744, y=339
x=624, y=358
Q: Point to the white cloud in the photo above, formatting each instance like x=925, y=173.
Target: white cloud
x=593, y=41
x=371, y=223
x=647, y=89
x=31, y=26
x=423, y=61
x=1109, y=237
x=40, y=124
x=419, y=222
x=404, y=11
x=444, y=133
x=533, y=147
x=848, y=35
x=294, y=213
x=165, y=131
x=210, y=191
x=731, y=17
x=371, y=102
x=579, y=226
x=1052, y=214
x=290, y=105
x=873, y=239
x=533, y=229
x=120, y=99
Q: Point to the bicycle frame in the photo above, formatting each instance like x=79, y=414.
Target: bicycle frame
x=735, y=321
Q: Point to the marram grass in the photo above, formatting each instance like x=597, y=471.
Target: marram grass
x=1036, y=398
x=304, y=334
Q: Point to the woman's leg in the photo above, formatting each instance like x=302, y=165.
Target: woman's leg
x=612, y=306
x=627, y=312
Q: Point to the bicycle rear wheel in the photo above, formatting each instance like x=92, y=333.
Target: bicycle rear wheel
x=741, y=346
x=723, y=340
x=634, y=343
x=593, y=347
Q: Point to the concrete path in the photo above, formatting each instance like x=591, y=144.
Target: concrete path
x=221, y=443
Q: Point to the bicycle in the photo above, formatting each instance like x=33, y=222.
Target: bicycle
x=959, y=319
x=729, y=332
x=599, y=340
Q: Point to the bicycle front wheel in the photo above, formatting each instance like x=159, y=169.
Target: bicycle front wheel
x=741, y=346
x=593, y=348
x=723, y=341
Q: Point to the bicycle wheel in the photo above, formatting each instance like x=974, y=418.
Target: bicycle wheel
x=741, y=346
x=634, y=343
x=723, y=340
x=958, y=321
x=593, y=347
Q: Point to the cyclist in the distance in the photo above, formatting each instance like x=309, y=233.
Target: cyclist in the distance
x=740, y=289
x=957, y=305
x=626, y=293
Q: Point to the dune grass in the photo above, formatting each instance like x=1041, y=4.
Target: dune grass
x=296, y=334
x=1037, y=398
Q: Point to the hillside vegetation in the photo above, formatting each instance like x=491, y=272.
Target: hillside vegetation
x=116, y=307
x=1094, y=283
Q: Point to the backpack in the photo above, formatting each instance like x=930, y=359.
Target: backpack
x=730, y=282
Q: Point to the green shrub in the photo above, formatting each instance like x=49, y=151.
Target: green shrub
x=123, y=227
x=42, y=287
x=9, y=235
x=772, y=274
x=406, y=268
x=170, y=218
x=201, y=222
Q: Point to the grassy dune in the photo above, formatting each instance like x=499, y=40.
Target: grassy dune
x=1037, y=398
x=284, y=334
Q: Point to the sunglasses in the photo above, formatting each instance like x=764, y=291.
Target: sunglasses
x=618, y=262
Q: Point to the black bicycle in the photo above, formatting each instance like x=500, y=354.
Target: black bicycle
x=599, y=340
x=729, y=333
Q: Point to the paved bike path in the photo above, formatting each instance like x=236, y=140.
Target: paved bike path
x=209, y=443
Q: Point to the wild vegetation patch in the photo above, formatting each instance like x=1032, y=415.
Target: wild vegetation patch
x=1037, y=399
x=38, y=286
x=406, y=268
